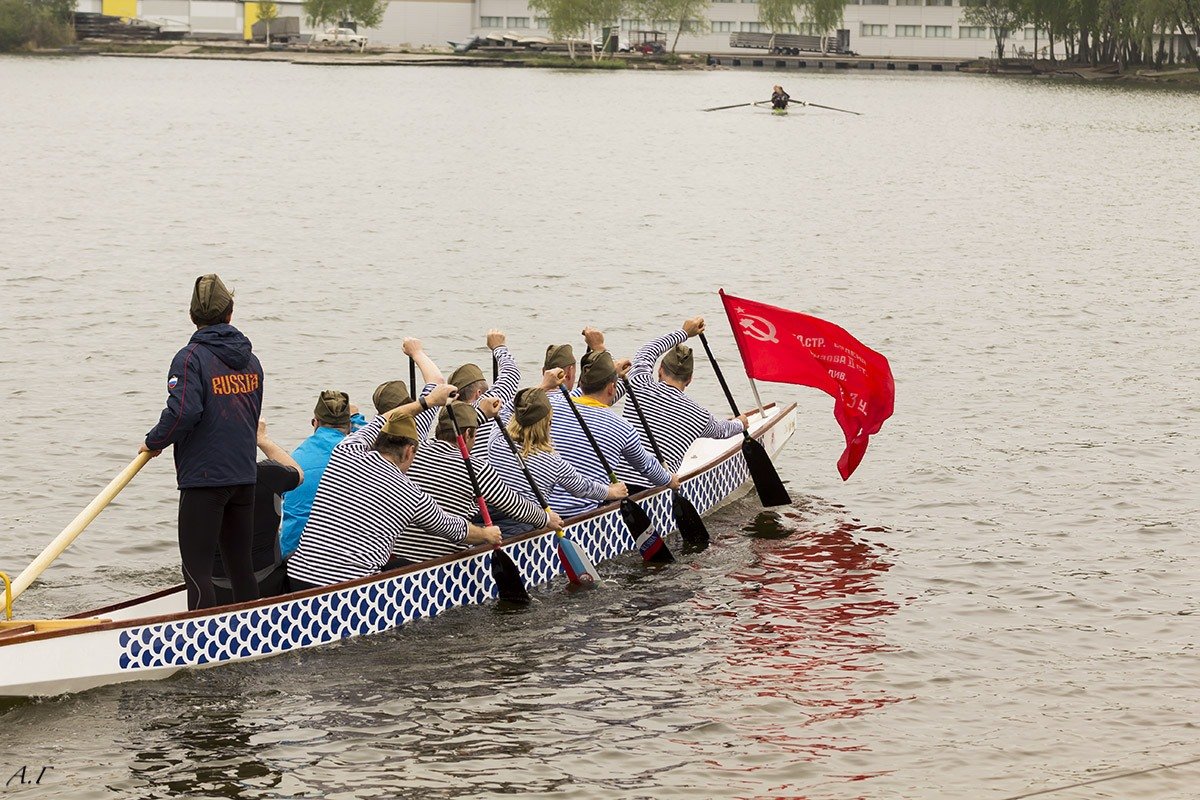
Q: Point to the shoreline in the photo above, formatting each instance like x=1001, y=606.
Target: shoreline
x=1184, y=77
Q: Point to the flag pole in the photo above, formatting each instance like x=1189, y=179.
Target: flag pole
x=754, y=388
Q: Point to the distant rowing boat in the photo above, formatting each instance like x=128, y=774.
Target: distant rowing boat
x=154, y=636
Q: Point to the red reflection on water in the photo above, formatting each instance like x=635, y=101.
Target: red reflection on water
x=805, y=629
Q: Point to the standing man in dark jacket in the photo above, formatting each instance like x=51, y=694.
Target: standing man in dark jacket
x=214, y=397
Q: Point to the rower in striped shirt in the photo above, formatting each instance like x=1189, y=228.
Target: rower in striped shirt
x=473, y=386
x=365, y=499
x=675, y=419
x=439, y=470
x=529, y=428
x=391, y=394
x=617, y=439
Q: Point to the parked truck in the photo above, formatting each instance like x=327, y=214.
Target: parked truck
x=284, y=30
x=793, y=43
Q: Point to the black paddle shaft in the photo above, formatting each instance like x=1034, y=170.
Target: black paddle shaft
x=645, y=424
x=721, y=377
x=504, y=571
x=413, y=391
x=687, y=519
x=612, y=476
x=528, y=475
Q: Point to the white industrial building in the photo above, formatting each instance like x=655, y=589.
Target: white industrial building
x=899, y=28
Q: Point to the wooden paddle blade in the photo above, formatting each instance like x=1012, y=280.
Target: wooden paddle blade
x=766, y=477
x=647, y=539
x=579, y=568
x=508, y=578
x=687, y=520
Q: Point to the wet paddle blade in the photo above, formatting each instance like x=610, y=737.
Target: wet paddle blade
x=508, y=578
x=687, y=520
x=647, y=539
x=766, y=477
x=578, y=566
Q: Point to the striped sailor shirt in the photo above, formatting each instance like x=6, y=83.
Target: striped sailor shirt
x=552, y=473
x=363, y=501
x=676, y=419
x=508, y=381
x=428, y=418
x=617, y=439
x=439, y=470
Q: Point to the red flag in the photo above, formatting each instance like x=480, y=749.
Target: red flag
x=790, y=347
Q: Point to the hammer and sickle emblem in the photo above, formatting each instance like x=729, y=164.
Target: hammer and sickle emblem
x=758, y=328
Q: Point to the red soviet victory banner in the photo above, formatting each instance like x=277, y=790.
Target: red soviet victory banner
x=790, y=347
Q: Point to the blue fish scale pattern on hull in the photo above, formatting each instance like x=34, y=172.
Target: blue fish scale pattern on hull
x=380, y=606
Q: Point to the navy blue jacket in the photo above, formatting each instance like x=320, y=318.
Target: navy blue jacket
x=214, y=398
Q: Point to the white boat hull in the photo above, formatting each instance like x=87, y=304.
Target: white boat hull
x=155, y=636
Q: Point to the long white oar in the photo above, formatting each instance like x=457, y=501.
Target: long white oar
x=72, y=531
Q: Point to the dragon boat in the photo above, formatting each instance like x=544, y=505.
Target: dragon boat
x=154, y=636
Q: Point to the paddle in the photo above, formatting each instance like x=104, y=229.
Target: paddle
x=766, y=478
x=504, y=571
x=578, y=566
x=413, y=391
x=647, y=539
x=687, y=518
x=72, y=531
x=831, y=108
x=735, y=105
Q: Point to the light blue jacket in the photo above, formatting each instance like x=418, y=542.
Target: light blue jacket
x=313, y=456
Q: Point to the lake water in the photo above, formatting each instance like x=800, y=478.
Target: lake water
x=1001, y=599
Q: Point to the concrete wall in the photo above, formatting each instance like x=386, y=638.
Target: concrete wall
x=421, y=23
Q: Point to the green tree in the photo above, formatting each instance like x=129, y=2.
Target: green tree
x=267, y=12
x=367, y=13
x=567, y=19
x=35, y=23
x=689, y=14
x=1002, y=16
x=825, y=15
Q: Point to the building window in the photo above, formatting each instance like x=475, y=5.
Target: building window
x=908, y=30
x=518, y=22
x=873, y=30
x=939, y=2
x=908, y=2
x=543, y=23
x=491, y=22
x=937, y=31
x=752, y=27
x=721, y=26
x=875, y=2
x=972, y=32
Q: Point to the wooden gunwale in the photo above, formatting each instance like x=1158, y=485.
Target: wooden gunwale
x=732, y=452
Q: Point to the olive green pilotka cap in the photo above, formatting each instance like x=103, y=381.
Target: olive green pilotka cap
x=401, y=425
x=210, y=298
x=464, y=413
x=531, y=406
x=333, y=408
x=597, y=368
x=465, y=376
x=392, y=394
x=679, y=362
x=559, y=356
